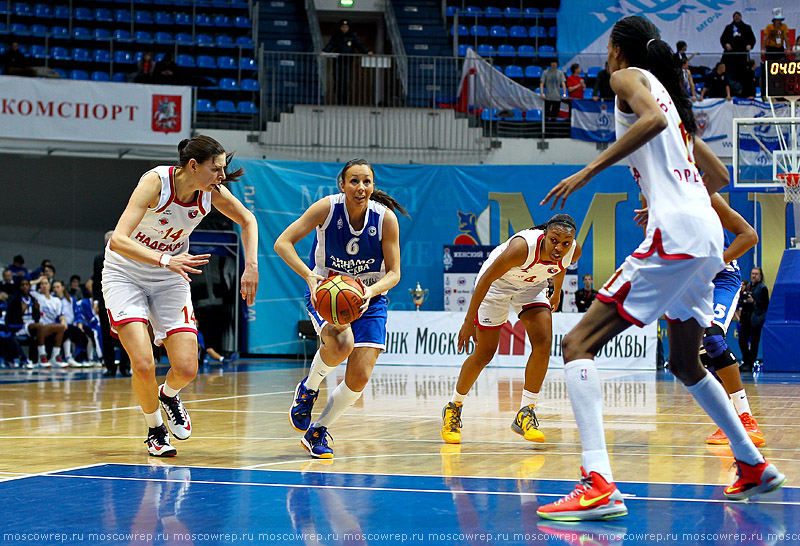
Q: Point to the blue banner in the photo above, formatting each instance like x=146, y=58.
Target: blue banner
x=477, y=204
x=593, y=120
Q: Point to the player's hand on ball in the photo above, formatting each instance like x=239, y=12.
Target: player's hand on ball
x=183, y=264
x=466, y=332
x=313, y=281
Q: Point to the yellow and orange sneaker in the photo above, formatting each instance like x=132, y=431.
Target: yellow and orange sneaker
x=753, y=480
x=592, y=499
x=451, y=423
x=752, y=429
x=718, y=439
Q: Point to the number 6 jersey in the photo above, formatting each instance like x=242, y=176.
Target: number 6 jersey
x=164, y=228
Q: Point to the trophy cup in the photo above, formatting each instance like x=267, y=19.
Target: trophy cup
x=418, y=295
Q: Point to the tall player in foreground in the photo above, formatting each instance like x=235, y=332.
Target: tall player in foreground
x=146, y=276
x=356, y=233
x=670, y=272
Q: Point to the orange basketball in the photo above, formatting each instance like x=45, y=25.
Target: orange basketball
x=339, y=299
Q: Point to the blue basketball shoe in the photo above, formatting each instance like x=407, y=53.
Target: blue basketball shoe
x=315, y=440
x=303, y=404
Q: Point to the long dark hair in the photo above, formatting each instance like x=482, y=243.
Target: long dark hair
x=202, y=148
x=377, y=195
x=563, y=221
x=640, y=40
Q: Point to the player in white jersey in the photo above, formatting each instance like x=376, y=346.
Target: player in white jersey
x=356, y=233
x=146, y=276
x=671, y=272
x=514, y=275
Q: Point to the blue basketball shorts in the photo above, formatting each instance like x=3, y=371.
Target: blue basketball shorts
x=369, y=330
x=727, y=285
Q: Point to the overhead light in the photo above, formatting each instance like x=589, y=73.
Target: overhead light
x=346, y=3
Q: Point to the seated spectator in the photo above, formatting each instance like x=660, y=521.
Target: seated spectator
x=18, y=270
x=717, y=85
x=8, y=288
x=602, y=85
x=48, y=271
x=688, y=81
x=166, y=71
x=680, y=51
x=36, y=273
x=749, y=81
x=145, y=68
x=49, y=325
x=575, y=83
x=15, y=63
x=72, y=335
x=87, y=321
x=586, y=295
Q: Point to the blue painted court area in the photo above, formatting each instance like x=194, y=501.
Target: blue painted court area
x=159, y=504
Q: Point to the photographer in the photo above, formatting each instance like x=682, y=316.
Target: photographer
x=754, y=301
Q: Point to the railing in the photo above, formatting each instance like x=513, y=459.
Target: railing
x=397, y=43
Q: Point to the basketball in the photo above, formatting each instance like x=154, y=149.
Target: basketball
x=339, y=299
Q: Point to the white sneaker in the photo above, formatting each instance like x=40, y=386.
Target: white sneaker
x=44, y=363
x=74, y=363
x=158, y=443
x=57, y=362
x=177, y=417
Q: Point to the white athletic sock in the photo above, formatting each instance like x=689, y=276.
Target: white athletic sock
x=41, y=350
x=529, y=398
x=457, y=397
x=67, y=346
x=90, y=351
x=56, y=352
x=154, y=419
x=317, y=372
x=169, y=391
x=339, y=402
x=712, y=398
x=739, y=399
x=586, y=397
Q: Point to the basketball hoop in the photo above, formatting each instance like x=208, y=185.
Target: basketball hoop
x=791, y=186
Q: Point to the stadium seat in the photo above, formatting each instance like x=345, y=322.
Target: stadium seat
x=222, y=21
x=82, y=33
x=38, y=51
x=228, y=84
x=513, y=71
x=246, y=63
x=485, y=50
x=245, y=41
x=122, y=16
x=246, y=107
x=461, y=30
x=61, y=72
x=518, y=31
x=60, y=53
x=489, y=114
x=164, y=18
x=496, y=31
x=552, y=32
x=143, y=37
x=533, y=71
x=98, y=76
x=593, y=71
x=451, y=11
x=492, y=12
x=204, y=40
x=531, y=13
x=101, y=56
x=512, y=13
x=102, y=34
x=526, y=51
x=223, y=40
x=22, y=9
x=143, y=18
x=462, y=49
x=186, y=61
x=61, y=12
x=119, y=77
x=206, y=61
x=506, y=51
x=534, y=114
x=122, y=35
x=249, y=84
x=537, y=32
x=39, y=30
x=103, y=15
x=547, y=51
x=226, y=63
x=203, y=20
x=59, y=33
x=204, y=105
x=78, y=75
x=19, y=29
x=183, y=19
x=478, y=30
x=122, y=57
x=80, y=54
x=83, y=14
x=587, y=93
x=183, y=38
x=163, y=37
x=225, y=107
x=43, y=11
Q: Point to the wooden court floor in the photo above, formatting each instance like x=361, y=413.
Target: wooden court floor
x=51, y=420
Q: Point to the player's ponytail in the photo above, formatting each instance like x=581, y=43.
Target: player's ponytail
x=643, y=47
x=202, y=148
x=378, y=196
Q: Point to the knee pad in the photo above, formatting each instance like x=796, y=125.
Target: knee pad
x=714, y=341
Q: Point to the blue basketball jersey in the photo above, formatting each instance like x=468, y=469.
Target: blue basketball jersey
x=339, y=248
x=727, y=284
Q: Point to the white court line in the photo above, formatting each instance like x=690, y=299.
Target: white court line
x=22, y=475
x=185, y=402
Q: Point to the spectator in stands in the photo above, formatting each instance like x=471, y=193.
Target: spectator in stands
x=776, y=37
x=680, y=51
x=15, y=63
x=749, y=81
x=48, y=271
x=345, y=41
x=108, y=342
x=22, y=317
x=585, y=296
x=575, y=83
x=8, y=288
x=145, y=68
x=72, y=336
x=49, y=325
x=166, y=70
x=737, y=40
x=717, y=84
x=76, y=290
x=18, y=268
x=688, y=81
x=754, y=302
x=553, y=86
x=602, y=85
x=36, y=273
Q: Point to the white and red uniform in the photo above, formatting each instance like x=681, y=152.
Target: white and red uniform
x=135, y=291
x=673, y=267
x=520, y=287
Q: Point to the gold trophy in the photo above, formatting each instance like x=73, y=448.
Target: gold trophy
x=418, y=295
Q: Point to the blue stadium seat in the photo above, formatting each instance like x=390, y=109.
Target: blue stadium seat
x=61, y=72
x=587, y=93
x=506, y=51
x=537, y=32
x=80, y=54
x=206, y=61
x=512, y=13
x=204, y=40
x=249, y=84
x=478, y=30
x=119, y=77
x=59, y=33
x=547, y=51
x=43, y=11
x=122, y=35
x=228, y=84
x=489, y=114
x=82, y=33
x=492, y=12
x=61, y=12
x=183, y=19
x=204, y=105
x=533, y=71
x=518, y=31
x=222, y=21
x=496, y=31
x=593, y=71
x=225, y=107
x=223, y=40
x=526, y=51
x=245, y=41
x=462, y=49
x=240, y=21
x=39, y=30
x=164, y=18
x=122, y=16
x=22, y=9
x=143, y=37
x=462, y=30
x=19, y=28
x=485, y=50
x=552, y=32
x=98, y=76
x=513, y=71
x=534, y=114
x=102, y=34
x=516, y=115
x=184, y=60
x=60, y=53
x=203, y=20
x=246, y=107
x=163, y=37
x=531, y=13
x=183, y=38
x=83, y=14
x=78, y=75
x=102, y=56
x=226, y=63
x=473, y=11
x=38, y=51
x=246, y=63
x=123, y=57
x=103, y=15
x=143, y=18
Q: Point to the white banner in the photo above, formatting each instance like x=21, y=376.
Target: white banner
x=85, y=111
x=430, y=338
x=489, y=88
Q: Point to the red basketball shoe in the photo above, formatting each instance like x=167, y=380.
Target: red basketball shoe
x=593, y=498
x=753, y=480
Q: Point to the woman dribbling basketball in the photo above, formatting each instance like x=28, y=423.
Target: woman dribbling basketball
x=357, y=234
